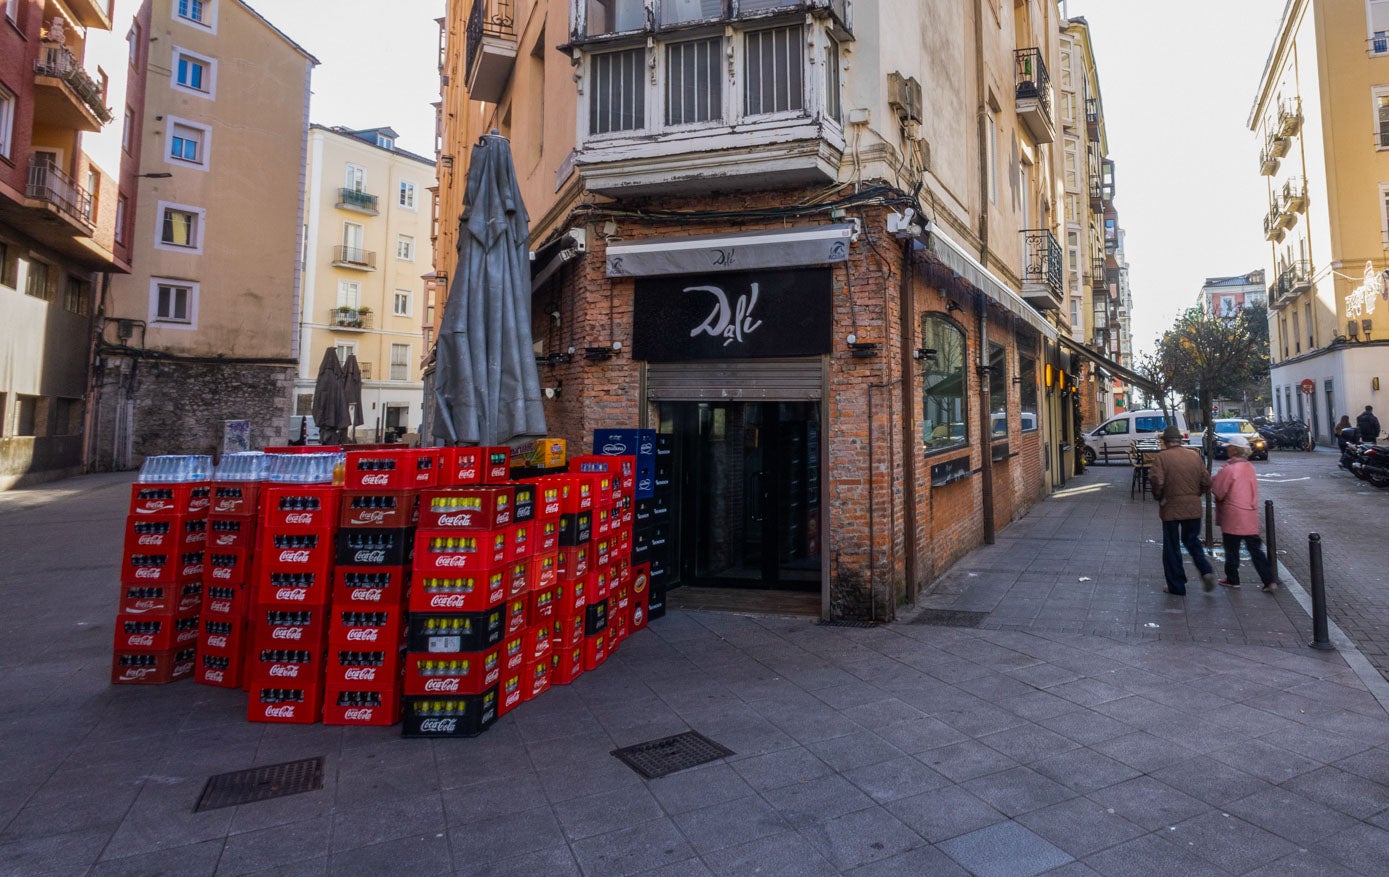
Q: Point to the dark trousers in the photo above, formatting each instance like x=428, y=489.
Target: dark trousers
x=1175, y=534
x=1256, y=553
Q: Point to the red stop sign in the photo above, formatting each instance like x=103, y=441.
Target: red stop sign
x=1308, y=386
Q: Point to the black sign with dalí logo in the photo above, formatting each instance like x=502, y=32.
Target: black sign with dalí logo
x=738, y=315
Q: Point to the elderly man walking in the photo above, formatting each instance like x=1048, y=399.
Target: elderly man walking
x=1179, y=478
x=1236, y=490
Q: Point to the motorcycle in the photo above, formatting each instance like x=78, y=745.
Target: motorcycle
x=1372, y=464
x=1287, y=435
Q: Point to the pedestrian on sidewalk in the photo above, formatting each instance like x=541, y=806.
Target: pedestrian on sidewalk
x=1343, y=435
x=1368, y=425
x=1236, y=492
x=1179, y=479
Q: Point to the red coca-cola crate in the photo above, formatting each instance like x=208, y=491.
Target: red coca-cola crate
x=297, y=507
x=516, y=614
x=442, y=674
x=546, y=535
x=278, y=627
x=511, y=692
x=602, y=522
x=623, y=469
x=578, y=495
x=545, y=569
x=290, y=590
x=535, y=678
x=597, y=586
x=459, y=592
x=185, y=498
x=566, y=664
x=156, y=633
x=567, y=631
x=496, y=465
x=396, y=469
x=222, y=635
x=549, y=496
x=376, y=668
x=145, y=599
x=221, y=671
x=571, y=596
x=537, y=642
x=162, y=567
x=595, y=650
x=226, y=601
x=144, y=667
x=621, y=597
x=637, y=614
x=521, y=541
x=513, y=652
x=460, y=466
x=229, y=531
x=303, y=449
x=294, y=705
x=542, y=605
x=617, y=630
x=450, y=716
x=440, y=552
x=228, y=566
x=601, y=555
x=287, y=667
x=373, y=546
x=625, y=507
x=386, y=509
x=518, y=577
x=573, y=562
x=310, y=551
x=485, y=507
x=350, y=706
x=623, y=537
x=368, y=586
x=239, y=498
x=175, y=534
x=374, y=628
x=622, y=571
x=456, y=631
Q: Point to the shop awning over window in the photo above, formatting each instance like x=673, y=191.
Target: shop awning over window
x=957, y=259
x=741, y=251
x=1110, y=366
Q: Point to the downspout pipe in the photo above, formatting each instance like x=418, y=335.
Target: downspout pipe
x=907, y=319
x=981, y=307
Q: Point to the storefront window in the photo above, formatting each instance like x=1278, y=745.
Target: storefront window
x=943, y=379
x=998, y=390
x=1027, y=391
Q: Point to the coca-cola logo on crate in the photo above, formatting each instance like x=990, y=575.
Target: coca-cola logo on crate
x=441, y=685
x=438, y=726
x=299, y=556
x=369, y=516
x=358, y=714
x=360, y=674
x=367, y=595
x=287, y=633
x=279, y=712
x=292, y=595
x=362, y=634
x=370, y=555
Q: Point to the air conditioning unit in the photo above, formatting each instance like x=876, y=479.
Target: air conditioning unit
x=904, y=97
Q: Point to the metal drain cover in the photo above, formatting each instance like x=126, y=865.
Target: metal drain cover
x=261, y=783
x=950, y=618
x=668, y=755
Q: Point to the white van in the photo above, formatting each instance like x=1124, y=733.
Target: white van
x=303, y=430
x=1111, y=439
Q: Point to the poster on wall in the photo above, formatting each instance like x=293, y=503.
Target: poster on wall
x=236, y=436
x=741, y=315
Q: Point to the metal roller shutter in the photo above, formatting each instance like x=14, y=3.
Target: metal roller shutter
x=772, y=380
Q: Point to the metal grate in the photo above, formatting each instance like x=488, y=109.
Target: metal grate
x=950, y=618
x=261, y=783
x=668, y=755
x=846, y=622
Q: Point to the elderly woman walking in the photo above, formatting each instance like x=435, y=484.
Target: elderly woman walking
x=1236, y=491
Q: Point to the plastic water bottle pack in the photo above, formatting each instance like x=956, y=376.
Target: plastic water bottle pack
x=176, y=468
x=304, y=468
x=244, y=466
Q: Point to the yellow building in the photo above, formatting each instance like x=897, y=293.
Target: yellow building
x=204, y=329
x=368, y=216
x=1321, y=123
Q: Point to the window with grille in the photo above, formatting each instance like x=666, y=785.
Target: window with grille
x=773, y=71
x=400, y=362
x=39, y=279
x=77, y=297
x=694, y=90
x=616, y=96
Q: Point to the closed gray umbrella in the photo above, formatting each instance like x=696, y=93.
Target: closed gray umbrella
x=352, y=390
x=330, y=400
x=485, y=382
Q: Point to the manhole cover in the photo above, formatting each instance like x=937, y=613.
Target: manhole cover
x=832, y=622
x=950, y=618
x=261, y=783
x=659, y=758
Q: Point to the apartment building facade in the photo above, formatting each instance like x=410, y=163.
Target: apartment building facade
x=368, y=215
x=58, y=221
x=817, y=245
x=1225, y=297
x=204, y=329
x=1321, y=121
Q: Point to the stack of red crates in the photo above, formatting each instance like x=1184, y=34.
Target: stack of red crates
x=161, y=582
x=231, y=533
x=376, y=526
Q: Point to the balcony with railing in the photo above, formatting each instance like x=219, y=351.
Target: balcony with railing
x=1097, y=271
x=1278, y=145
x=1294, y=196
x=1092, y=118
x=1032, y=87
x=1293, y=280
x=354, y=257
x=1289, y=117
x=1041, y=273
x=65, y=94
x=1273, y=225
x=351, y=319
x=490, y=48
x=1268, y=162
x=357, y=200
x=57, y=193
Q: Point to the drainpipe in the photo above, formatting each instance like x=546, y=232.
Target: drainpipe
x=907, y=319
x=986, y=466
x=89, y=416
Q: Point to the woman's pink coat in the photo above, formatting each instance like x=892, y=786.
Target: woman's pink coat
x=1236, y=492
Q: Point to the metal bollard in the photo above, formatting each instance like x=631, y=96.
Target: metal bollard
x=1272, y=539
x=1321, y=639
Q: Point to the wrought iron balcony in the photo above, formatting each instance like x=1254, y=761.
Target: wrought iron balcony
x=1378, y=43
x=58, y=70
x=1032, y=88
x=1290, y=117
x=1042, y=285
x=490, y=48
x=1292, y=281
x=51, y=189
x=1278, y=145
x=1097, y=271
x=1092, y=118
x=1268, y=162
x=353, y=199
x=354, y=257
x=1295, y=195
x=355, y=319
x=1273, y=225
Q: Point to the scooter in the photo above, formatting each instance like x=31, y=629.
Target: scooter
x=1372, y=465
